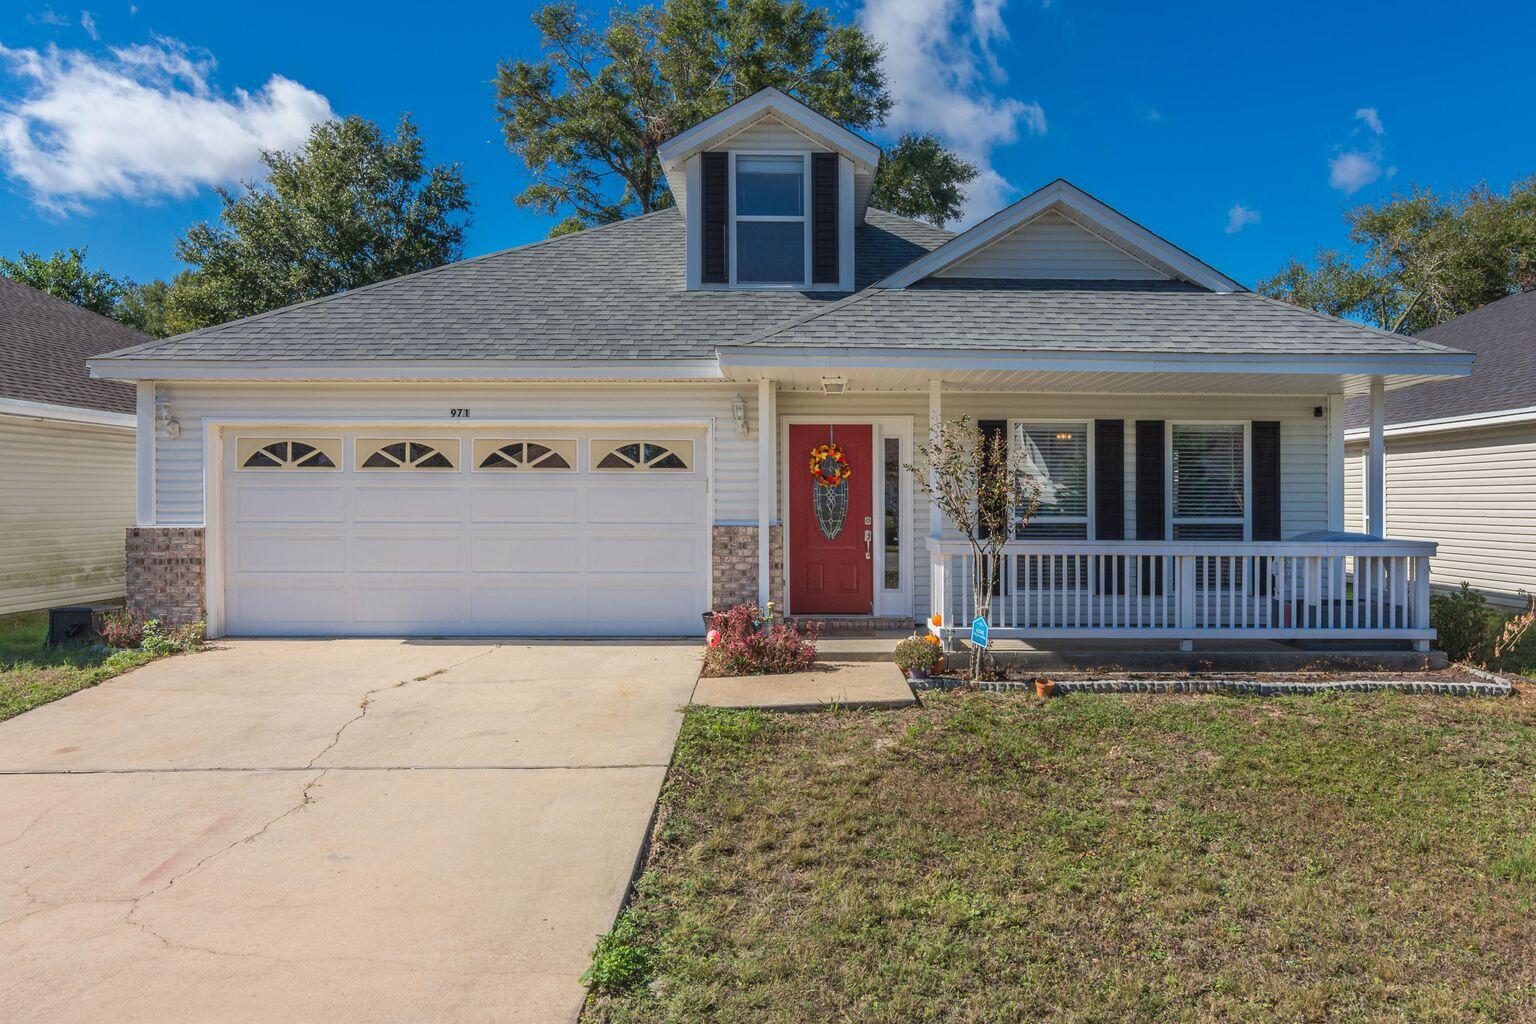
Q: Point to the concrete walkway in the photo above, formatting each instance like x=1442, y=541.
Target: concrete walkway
x=336, y=831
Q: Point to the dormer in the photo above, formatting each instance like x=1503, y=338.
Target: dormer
x=771, y=192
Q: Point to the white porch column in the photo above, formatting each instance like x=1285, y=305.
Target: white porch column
x=935, y=417
x=767, y=486
x=144, y=445
x=1336, y=459
x=1376, y=468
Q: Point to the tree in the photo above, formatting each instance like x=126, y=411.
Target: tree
x=349, y=208
x=64, y=275
x=588, y=116
x=978, y=483
x=920, y=178
x=143, y=306
x=1424, y=259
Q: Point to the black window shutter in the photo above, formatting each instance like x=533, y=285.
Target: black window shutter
x=824, y=268
x=1151, y=490
x=713, y=203
x=1109, y=479
x=1266, y=480
x=990, y=429
x=1150, y=485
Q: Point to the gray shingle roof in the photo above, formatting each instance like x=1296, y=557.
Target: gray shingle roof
x=1132, y=316
x=44, y=343
x=1503, y=336
x=615, y=292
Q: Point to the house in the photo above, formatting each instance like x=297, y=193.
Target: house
x=66, y=453
x=610, y=431
x=1460, y=458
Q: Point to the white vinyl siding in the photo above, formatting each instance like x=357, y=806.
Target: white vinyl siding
x=66, y=498
x=1472, y=492
x=1052, y=247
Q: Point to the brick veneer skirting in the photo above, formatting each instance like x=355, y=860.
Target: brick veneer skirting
x=735, y=565
x=166, y=573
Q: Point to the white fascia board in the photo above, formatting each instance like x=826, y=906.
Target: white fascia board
x=66, y=413
x=1471, y=421
x=738, y=115
x=874, y=358
x=405, y=369
x=1113, y=224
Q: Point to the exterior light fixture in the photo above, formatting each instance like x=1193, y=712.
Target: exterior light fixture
x=739, y=414
x=165, y=421
x=834, y=385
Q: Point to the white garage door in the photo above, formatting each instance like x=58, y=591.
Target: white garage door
x=396, y=531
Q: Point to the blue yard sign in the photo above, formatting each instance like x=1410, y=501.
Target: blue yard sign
x=979, y=631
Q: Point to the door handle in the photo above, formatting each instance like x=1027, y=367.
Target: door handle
x=869, y=539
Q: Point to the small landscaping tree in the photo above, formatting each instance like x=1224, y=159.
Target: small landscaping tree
x=977, y=481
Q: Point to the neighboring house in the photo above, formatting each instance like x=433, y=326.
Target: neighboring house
x=610, y=431
x=66, y=453
x=1461, y=457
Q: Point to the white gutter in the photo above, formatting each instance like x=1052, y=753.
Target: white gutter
x=130, y=368
x=66, y=413
x=1468, y=422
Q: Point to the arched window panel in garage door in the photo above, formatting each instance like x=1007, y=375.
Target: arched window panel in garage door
x=627, y=455
x=542, y=454
x=404, y=454
x=269, y=453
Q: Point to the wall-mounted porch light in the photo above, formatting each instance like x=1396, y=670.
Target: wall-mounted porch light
x=739, y=414
x=165, y=421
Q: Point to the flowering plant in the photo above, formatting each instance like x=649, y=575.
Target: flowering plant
x=839, y=470
x=919, y=655
x=745, y=644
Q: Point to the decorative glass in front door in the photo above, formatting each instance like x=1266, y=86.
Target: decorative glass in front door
x=830, y=470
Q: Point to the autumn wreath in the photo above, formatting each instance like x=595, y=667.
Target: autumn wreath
x=833, y=474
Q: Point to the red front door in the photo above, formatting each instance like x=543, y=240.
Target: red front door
x=831, y=529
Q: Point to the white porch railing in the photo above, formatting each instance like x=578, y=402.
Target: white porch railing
x=1291, y=590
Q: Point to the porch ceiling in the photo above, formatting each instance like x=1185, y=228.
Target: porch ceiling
x=1151, y=381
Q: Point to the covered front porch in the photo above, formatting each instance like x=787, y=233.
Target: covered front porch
x=1188, y=505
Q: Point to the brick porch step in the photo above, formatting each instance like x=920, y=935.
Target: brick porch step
x=855, y=625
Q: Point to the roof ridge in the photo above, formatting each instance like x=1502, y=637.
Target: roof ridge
x=75, y=307
x=584, y=233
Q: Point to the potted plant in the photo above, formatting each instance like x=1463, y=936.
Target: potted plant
x=918, y=656
x=1044, y=687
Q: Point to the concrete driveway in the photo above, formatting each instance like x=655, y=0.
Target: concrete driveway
x=342, y=830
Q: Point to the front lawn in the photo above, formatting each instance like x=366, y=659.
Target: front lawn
x=32, y=673
x=1362, y=857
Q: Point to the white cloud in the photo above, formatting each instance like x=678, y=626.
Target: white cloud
x=1240, y=217
x=88, y=22
x=141, y=122
x=1352, y=170
x=49, y=17
x=945, y=76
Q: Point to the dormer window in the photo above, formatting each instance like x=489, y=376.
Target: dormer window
x=770, y=239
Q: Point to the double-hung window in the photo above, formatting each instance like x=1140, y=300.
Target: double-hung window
x=1054, y=457
x=1209, y=486
x=771, y=236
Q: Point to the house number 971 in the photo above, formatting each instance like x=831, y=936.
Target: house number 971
x=459, y=413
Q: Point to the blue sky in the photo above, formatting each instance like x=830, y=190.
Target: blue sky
x=1240, y=132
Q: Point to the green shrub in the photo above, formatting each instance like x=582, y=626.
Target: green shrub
x=1465, y=626
x=159, y=641
x=620, y=961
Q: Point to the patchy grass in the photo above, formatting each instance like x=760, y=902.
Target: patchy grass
x=1093, y=859
x=32, y=673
